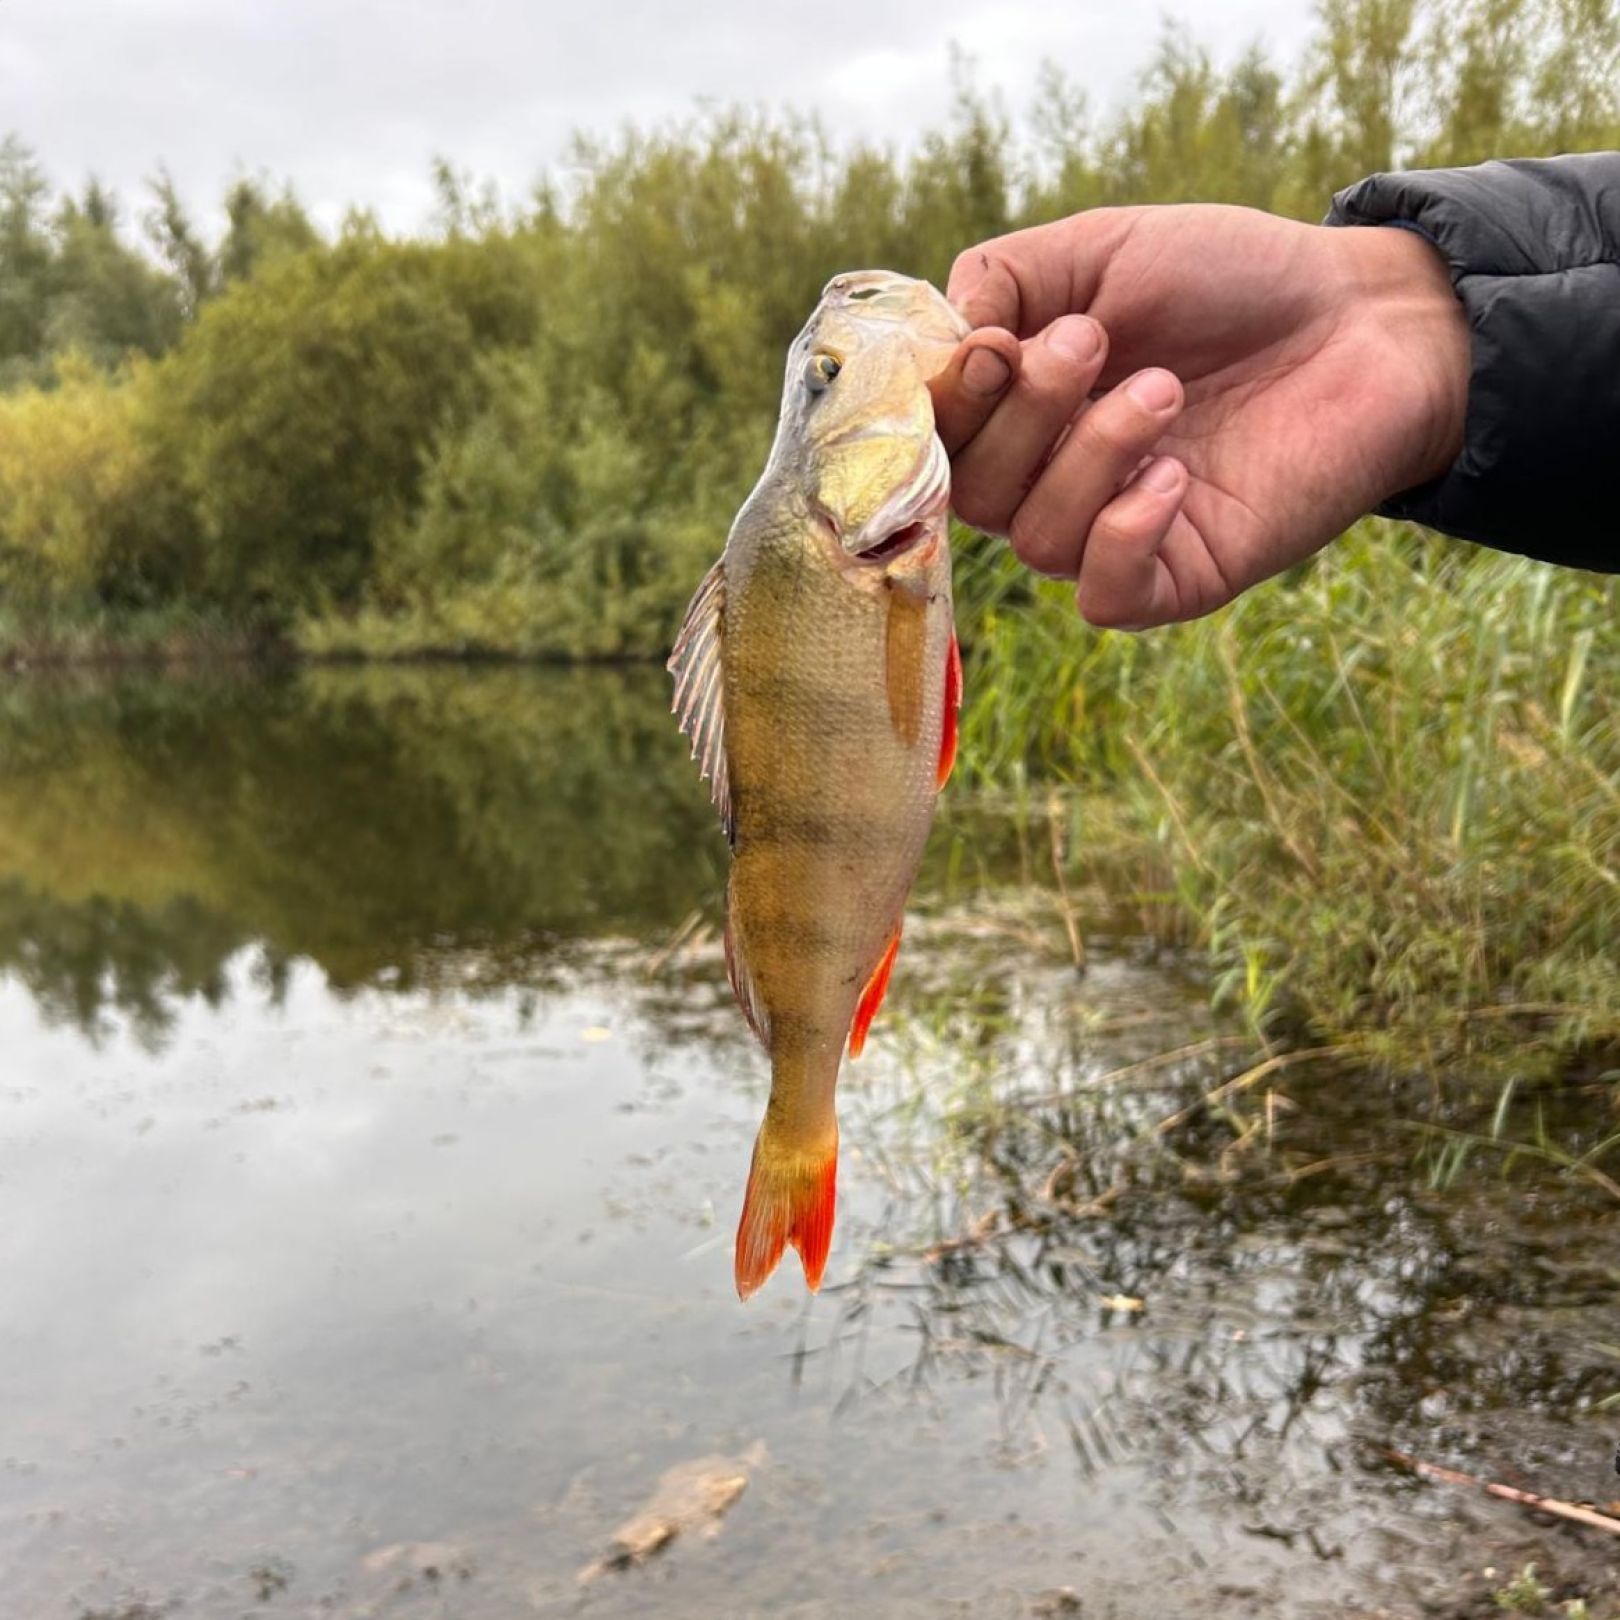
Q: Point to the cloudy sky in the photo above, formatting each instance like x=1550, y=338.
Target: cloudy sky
x=351, y=99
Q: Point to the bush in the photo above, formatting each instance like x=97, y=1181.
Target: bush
x=86, y=516
x=297, y=413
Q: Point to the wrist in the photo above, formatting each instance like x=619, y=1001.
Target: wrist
x=1403, y=288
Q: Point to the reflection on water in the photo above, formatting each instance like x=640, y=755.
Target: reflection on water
x=372, y=1125
x=150, y=828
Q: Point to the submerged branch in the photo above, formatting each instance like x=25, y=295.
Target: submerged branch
x=1572, y=1511
x=1250, y=1077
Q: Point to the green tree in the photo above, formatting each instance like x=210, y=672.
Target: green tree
x=106, y=300
x=1197, y=134
x=176, y=238
x=25, y=261
x=528, y=432
x=261, y=228
x=298, y=410
x=88, y=514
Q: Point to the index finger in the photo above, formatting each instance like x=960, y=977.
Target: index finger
x=975, y=380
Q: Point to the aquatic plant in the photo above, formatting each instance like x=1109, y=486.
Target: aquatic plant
x=1386, y=790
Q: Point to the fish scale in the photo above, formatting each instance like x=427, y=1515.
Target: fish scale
x=817, y=676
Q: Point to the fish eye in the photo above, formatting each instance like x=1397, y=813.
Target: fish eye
x=821, y=371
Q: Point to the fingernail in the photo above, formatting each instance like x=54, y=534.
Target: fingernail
x=1154, y=390
x=1160, y=476
x=985, y=372
x=1075, y=337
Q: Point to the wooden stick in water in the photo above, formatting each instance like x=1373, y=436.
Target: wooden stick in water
x=1508, y=1493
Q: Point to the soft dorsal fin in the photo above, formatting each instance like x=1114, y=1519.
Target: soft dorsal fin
x=697, y=663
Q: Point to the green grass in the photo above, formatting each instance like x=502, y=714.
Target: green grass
x=1384, y=793
x=1527, y=1593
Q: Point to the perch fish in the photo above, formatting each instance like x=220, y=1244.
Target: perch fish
x=818, y=678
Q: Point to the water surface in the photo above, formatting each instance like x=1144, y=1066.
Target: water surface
x=373, y=1122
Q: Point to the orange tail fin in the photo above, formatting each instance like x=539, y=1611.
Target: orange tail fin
x=790, y=1199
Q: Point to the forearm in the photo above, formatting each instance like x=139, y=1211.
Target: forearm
x=1533, y=249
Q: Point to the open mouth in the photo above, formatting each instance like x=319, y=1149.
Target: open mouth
x=913, y=513
x=892, y=545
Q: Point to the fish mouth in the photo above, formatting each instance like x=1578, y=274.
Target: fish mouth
x=912, y=515
x=897, y=544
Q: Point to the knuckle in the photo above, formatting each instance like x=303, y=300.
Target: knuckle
x=1112, y=528
x=971, y=261
x=977, y=508
x=1118, y=430
x=1106, y=609
x=1107, y=615
x=1052, y=387
x=1038, y=544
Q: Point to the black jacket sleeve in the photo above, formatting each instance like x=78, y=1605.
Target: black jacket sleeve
x=1534, y=251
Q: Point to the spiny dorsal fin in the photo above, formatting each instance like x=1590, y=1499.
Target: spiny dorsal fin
x=700, y=706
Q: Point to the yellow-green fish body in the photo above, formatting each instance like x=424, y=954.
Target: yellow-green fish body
x=817, y=676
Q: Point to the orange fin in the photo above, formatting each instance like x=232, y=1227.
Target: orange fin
x=953, y=702
x=790, y=1199
x=872, y=996
x=904, y=647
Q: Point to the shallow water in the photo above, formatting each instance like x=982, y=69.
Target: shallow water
x=373, y=1121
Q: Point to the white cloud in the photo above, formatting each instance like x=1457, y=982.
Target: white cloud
x=351, y=99
x=876, y=80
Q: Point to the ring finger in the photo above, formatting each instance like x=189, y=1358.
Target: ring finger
x=1090, y=467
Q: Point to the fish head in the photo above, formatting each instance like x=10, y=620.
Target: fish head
x=857, y=423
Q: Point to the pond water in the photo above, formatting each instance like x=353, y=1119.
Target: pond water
x=373, y=1124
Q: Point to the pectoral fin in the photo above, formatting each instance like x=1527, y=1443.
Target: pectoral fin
x=872, y=996
x=953, y=703
x=904, y=646
x=697, y=663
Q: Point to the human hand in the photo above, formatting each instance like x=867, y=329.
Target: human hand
x=1267, y=383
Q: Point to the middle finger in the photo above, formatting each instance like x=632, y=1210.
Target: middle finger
x=991, y=476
